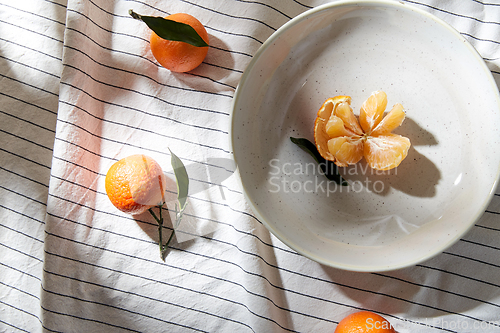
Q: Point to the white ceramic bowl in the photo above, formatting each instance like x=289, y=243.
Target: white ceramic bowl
x=381, y=221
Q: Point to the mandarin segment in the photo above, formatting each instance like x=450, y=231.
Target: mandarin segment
x=335, y=127
x=346, y=150
x=372, y=110
x=391, y=121
x=386, y=152
x=340, y=138
x=344, y=112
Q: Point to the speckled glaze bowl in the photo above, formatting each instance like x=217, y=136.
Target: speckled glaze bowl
x=381, y=221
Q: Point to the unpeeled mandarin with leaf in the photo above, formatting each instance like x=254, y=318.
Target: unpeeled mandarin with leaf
x=364, y=322
x=179, y=56
x=179, y=42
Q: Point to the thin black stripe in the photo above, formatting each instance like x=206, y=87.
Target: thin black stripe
x=236, y=35
x=150, y=279
x=101, y=27
x=148, y=131
x=259, y=276
x=294, y=273
x=480, y=39
x=29, y=122
x=224, y=68
x=31, y=49
x=169, y=228
x=21, y=252
x=32, y=31
x=460, y=275
x=479, y=244
x=34, y=14
x=491, y=212
x=29, y=85
x=57, y=76
x=25, y=177
x=117, y=308
x=152, y=62
x=18, y=328
x=19, y=309
x=29, y=103
x=27, y=140
x=25, y=158
x=154, y=97
x=147, y=297
x=265, y=5
x=472, y=259
x=233, y=245
x=231, y=16
x=488, y=228
x=103, y=175
x=77, y=165
x=191, y=198
x=153, y=80
x=20, y=271
x=210, y=276
x=166, y=227
x=21, y=233
x=56, y=3
x=20, y=290
x=439, y=289
x=451, y=13
x=146, y=40
x=87, y=319
x=303, y=5
x=135, y=128
x=213, y=11
x=24, y=196
x=145, y=112
x=129, y=144
x=110, y=49
x=486, y=3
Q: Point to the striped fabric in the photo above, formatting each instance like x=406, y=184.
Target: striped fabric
x=79, y=89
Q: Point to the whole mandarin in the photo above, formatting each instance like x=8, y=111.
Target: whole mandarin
x=135, y=183
x=364, y=322
x=180, y=56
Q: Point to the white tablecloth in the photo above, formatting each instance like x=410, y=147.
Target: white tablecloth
x=79, y=89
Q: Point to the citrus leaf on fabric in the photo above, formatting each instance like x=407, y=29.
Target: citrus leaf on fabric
x=182, y=180
x=171, y=30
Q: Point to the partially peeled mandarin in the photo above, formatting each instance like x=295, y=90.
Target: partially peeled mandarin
x=342, y=138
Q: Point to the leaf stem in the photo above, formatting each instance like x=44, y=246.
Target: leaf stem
x=154, y=215
x=160, y=229
x=134, y=14
x=170, y=238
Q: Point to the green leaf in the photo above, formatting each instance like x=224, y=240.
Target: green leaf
x=328, y=167
x=182, y=180
x=171, y=30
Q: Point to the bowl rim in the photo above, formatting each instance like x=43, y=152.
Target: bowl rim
x=244, y=78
